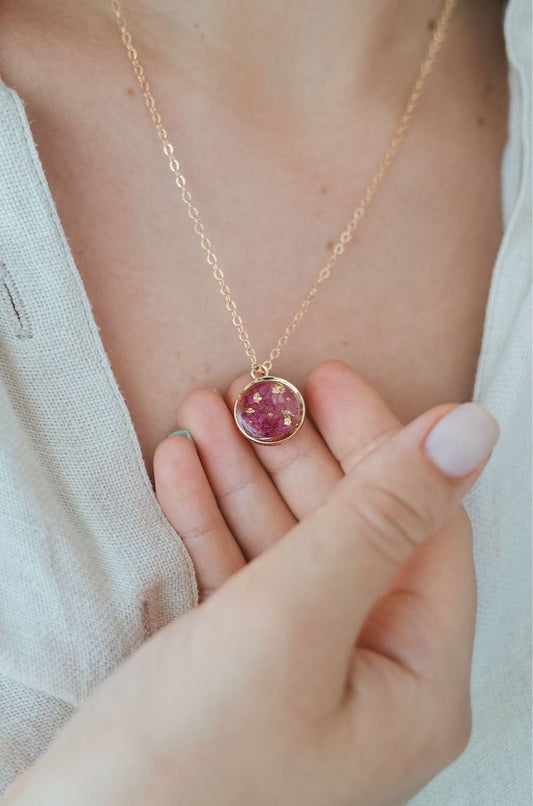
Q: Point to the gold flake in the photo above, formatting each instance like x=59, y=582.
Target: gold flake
x=270, y=414
x=257, y=398
x=250, y=411
x=278, y=389
x=287, y=418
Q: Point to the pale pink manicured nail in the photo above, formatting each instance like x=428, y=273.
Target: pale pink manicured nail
x=462, y=440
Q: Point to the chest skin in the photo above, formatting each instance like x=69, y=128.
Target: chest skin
x=406, y=303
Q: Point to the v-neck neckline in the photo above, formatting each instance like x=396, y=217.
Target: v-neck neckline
x=155, y=523
x=108, y=373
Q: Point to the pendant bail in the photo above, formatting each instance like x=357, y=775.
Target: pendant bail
x=258, y=371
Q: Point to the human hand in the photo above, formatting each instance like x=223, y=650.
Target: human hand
x=229, y=500
x=324, y=672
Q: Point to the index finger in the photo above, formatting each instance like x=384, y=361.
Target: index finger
x=303, y=468
x=332, y=566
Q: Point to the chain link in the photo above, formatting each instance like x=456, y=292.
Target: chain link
x=258, y=369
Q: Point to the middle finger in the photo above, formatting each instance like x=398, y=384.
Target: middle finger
x=246, y=496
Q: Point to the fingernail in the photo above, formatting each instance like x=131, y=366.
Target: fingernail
x=462, y=440
x=182, y=433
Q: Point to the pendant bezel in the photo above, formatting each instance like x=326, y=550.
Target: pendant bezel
x=276, y=379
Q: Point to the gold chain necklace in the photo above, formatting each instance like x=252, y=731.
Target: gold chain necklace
x=270, y=410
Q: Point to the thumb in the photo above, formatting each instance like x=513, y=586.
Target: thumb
x=330, y=569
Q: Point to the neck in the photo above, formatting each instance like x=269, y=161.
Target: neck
x=291, y=60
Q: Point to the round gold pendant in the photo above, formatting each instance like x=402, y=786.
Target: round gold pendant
x=269, y=410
